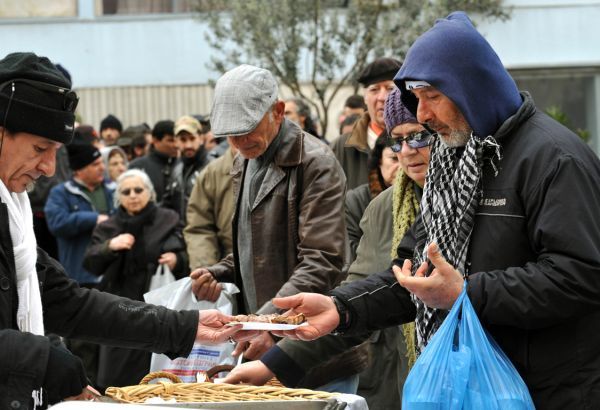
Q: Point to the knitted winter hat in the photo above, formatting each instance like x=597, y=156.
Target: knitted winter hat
x=395, y=112
x=35, y=97
x=81, y=155
x=110, y=121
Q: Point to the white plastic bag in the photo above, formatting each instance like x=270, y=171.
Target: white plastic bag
x=162, y=277
x=179, y=296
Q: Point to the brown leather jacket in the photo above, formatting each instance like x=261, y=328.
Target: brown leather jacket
x=298, y=226
x=352, y=151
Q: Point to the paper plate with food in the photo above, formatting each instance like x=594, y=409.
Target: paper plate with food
x=269, y=322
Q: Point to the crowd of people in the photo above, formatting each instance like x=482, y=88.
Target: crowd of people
x=443, y=176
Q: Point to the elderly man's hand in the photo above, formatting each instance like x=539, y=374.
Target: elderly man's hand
x=438, y=290
x=255, y=348
x=320, y=312
x=212, y=329
x=204, y=285
x=254, y=373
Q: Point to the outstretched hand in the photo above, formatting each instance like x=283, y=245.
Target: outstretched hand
x=438, y=290
x=212, y=329
x=255, y=373
x=255, y=348
x=319, y=310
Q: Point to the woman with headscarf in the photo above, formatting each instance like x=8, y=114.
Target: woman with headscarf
x=126, y=250
x=115, y=161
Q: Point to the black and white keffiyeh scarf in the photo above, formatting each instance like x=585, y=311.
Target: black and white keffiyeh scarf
x=450, y=198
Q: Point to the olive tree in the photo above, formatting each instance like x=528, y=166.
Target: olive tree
x=316, y=47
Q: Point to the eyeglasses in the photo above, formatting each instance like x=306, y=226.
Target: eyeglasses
x=70, y=98
x=415, y=140
x=127, y=191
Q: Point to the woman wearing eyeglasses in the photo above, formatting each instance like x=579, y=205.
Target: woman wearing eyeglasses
x=126, y=250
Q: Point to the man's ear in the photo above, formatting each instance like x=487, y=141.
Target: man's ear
x=279, y=110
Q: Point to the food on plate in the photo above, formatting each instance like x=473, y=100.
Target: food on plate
x=274, y=318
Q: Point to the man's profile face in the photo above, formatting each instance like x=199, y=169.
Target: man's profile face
x=209, y=141
x=24, y=158
x=189, y=143
x=92, y=174
x=110, y=135
x=255, y=143
x=443, y=116
x=375, y=95
x=291, y=113
x=168, y=145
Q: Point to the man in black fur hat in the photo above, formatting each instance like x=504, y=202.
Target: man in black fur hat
x=37, y=109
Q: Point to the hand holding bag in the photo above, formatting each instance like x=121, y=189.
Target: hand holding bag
x=179, y=296
x=162, y=277
x=462, y=367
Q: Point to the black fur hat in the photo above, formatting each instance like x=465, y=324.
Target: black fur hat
x=35, y=97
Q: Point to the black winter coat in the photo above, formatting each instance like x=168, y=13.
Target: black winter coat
x=128, y=273
x=75, y=312
x=534, y=262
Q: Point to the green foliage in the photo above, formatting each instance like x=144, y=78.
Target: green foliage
x=323, y=43
x=555, y=112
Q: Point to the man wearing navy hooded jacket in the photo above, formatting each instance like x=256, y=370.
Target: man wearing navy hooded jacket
x=520, y=195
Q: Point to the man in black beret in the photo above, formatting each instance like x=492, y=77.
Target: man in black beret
x=352, y=150
x=37, y=114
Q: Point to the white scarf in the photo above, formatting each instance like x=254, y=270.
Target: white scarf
x=29, y=313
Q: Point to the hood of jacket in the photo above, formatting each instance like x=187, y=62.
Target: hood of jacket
x=454, y=58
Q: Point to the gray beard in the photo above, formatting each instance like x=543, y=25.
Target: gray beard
x=30, y=187
x=456, y=139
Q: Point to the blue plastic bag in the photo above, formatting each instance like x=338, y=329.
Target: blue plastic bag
x=462, y=367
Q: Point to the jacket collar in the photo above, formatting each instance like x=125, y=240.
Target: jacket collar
x=359, y=136
x=526, y=110
x=164, y=158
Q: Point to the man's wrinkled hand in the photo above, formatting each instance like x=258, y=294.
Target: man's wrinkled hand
x=438, y=290
x=204, y=285
x=255, y=348
x=254, y=373
x=320, y=312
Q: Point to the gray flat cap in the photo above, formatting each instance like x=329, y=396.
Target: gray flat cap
x=242, y=97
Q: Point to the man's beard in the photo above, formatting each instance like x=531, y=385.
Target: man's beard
x=30, y=187
x=456, y=138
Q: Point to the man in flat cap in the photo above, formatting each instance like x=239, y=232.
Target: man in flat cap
x=37, y=114
x=352, y=150
x=288, y=225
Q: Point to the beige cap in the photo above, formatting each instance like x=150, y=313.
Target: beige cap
x=189, y=124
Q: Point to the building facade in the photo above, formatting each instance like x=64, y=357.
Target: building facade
x=148, y=60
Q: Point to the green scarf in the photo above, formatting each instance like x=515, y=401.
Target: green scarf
x=405, y=209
